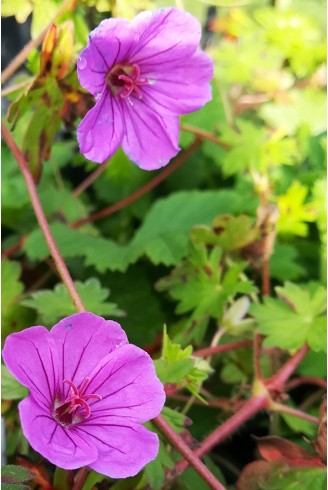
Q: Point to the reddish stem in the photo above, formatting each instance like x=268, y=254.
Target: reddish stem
x=90, y=179
x=218, y=349
x=104, y=213
x=189, y=455
x=224, y=404
x=278, y=407
x=42, y=220
x=204, y=135
x=247, y=411
x=13, y=249
x=277, y=382
x=250, y=408
x=312, y=380
x=80, y=478
x=257, y=344
x=266, y=277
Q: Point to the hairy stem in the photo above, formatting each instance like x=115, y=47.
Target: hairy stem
x=262, y=397
x=279, y=407
x=42, y=220
x=277, y=382
x=247, y=411
x=190, y=457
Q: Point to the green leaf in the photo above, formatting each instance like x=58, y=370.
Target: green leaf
x=132, y=290
x=176, y=419
x=155, y=470
x=102, y=253
x=15, y=474
x=92, y=479
x=162, y=237
x=13, y=316
x=163, y=234
x=155, y=474
x=178, y=366
x=201, y=286
x=52, y=305
x=305, y=107
x=314, y=364
x=254, y=148
x=294, y=212
x=11, y=389
x=191, y=480
x=284, y=264
x=229, y=232
x=43, y=10
x=294, y=478
x=21, y=9
x=294, y=319
x=13, y=188
x=60, y=479
x=10, y=272
x=173, y=372
x=40, y=134
x=300, y=425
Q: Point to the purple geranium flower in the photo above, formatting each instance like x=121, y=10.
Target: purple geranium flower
x=90, y=391
x=143, y=74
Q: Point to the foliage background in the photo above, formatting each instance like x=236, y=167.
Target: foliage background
x=240, y=217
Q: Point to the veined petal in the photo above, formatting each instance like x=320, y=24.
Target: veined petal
x=150, y=139
x=165, y=36
x=108, y=44
x=82, y=340
x=62, y=447
x=127, y=382
x=123, y=449
x=184, y=89
x=31, y=356
x=100, y=132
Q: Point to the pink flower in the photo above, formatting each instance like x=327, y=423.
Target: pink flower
x=143, y=74
x=90, y=391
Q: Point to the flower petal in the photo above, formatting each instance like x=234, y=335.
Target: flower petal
x=182, y=90
x=166, y=36
x=108, y=44
x=123, y=449
x=31, y=356
x=127, y=382
x=82, y=341
x=100, y=132
x=150, y=140
x=62, y=447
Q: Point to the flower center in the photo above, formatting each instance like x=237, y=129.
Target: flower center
x=75, y=407
x=124, y=80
